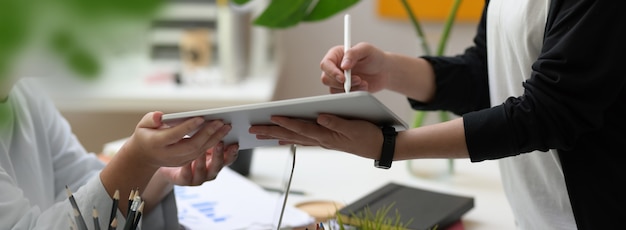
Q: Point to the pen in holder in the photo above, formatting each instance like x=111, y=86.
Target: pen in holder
x=135, y=211
x=80, y=222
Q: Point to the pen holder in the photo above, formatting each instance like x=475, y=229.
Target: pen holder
x=243, y=163
x=234, y=26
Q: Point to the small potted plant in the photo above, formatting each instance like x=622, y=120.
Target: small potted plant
x=370, y=220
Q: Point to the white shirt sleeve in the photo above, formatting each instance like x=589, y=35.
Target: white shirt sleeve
x=39, y=156
x=162, y=217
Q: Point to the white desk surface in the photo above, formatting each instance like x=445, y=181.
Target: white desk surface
x=336, y=176
x=124, y=88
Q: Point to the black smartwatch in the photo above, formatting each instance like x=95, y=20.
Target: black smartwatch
x=388, y=149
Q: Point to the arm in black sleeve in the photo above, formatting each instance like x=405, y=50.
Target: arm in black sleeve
x=576, y=87
x=461, y=81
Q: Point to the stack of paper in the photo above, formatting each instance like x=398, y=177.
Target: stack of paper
x=233, y=202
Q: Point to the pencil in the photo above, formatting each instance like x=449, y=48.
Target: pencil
x=72, y=222
x=78, y=220
x=96, y=219
x=116, y=200
x=131, y=196
x=79, y=217
x=130, y=217
x=113, y=224
x=138, y=216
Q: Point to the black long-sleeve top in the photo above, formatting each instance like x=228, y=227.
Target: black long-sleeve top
x=574, y=102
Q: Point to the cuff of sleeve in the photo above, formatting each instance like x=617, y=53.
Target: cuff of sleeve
x=459, y=89
x=438, y=102
x=488, y=134
x=93, y=194
x=449, y=87
x=163, y=216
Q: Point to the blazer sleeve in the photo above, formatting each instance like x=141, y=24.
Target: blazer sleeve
x=577, y=86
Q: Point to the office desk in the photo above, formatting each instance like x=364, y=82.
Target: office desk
x=330, y=175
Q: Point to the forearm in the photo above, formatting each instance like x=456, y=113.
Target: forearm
x=411, y=76
x=442, y=140
x=126, y=173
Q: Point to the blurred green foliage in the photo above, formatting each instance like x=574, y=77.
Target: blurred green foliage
x=73, y=30
x=287, y=13
x=13, y=24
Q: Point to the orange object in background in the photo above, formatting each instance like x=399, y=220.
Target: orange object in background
x=429, y=10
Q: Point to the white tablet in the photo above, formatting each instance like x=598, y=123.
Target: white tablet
x=354, y=105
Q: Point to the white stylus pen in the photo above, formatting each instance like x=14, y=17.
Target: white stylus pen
x=346, y=45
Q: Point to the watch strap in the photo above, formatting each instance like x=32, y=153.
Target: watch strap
x=388, y=148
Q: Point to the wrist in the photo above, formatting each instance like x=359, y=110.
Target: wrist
x=131, y=159
x=125, y=173
x=411, y=76
x=388, y=148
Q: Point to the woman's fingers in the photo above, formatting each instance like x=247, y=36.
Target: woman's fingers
x=231, y=154
x=200, y=168
x=330, y=63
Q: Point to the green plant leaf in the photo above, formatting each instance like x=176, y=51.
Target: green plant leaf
x=14, y=19
x=327, y=8
x=283, y=13
x=84, y=63
x=61, y=41
x=240, y=2
x=135, y=8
